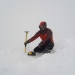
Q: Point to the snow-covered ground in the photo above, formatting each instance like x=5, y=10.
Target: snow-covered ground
x=17, y=16
x=61, y=61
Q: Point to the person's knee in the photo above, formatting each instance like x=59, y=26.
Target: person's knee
x=52, y=45
x=36, y=49
x=49, y=46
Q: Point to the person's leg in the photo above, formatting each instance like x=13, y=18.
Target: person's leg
x=49, y=46
x=39, y=50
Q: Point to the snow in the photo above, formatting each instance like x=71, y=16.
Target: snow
x=17, y=16
x=61, y=61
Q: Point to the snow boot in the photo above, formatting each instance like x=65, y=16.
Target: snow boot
x=31, y=53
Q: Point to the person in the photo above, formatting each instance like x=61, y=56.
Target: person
x=46, y=35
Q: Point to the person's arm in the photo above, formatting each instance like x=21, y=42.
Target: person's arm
x=34, y=37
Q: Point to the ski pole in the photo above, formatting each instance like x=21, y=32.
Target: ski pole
x=26, y=39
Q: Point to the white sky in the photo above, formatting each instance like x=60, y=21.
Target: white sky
x=16, y=16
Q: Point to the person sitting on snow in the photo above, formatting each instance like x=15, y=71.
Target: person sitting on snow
x=46, y=35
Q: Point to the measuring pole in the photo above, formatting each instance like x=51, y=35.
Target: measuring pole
x=26, y=37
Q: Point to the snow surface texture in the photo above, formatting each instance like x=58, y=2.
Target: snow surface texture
x=61, y=61
x=17, y=16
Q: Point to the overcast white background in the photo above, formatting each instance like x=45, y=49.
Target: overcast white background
x=17, y=16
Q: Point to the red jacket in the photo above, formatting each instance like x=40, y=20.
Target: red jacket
x=44, y=35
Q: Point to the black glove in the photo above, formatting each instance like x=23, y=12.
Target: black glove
x=25, y=43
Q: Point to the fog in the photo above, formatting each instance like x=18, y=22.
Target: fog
x=17, y=16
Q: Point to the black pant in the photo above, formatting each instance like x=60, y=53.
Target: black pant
x=46, y=48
